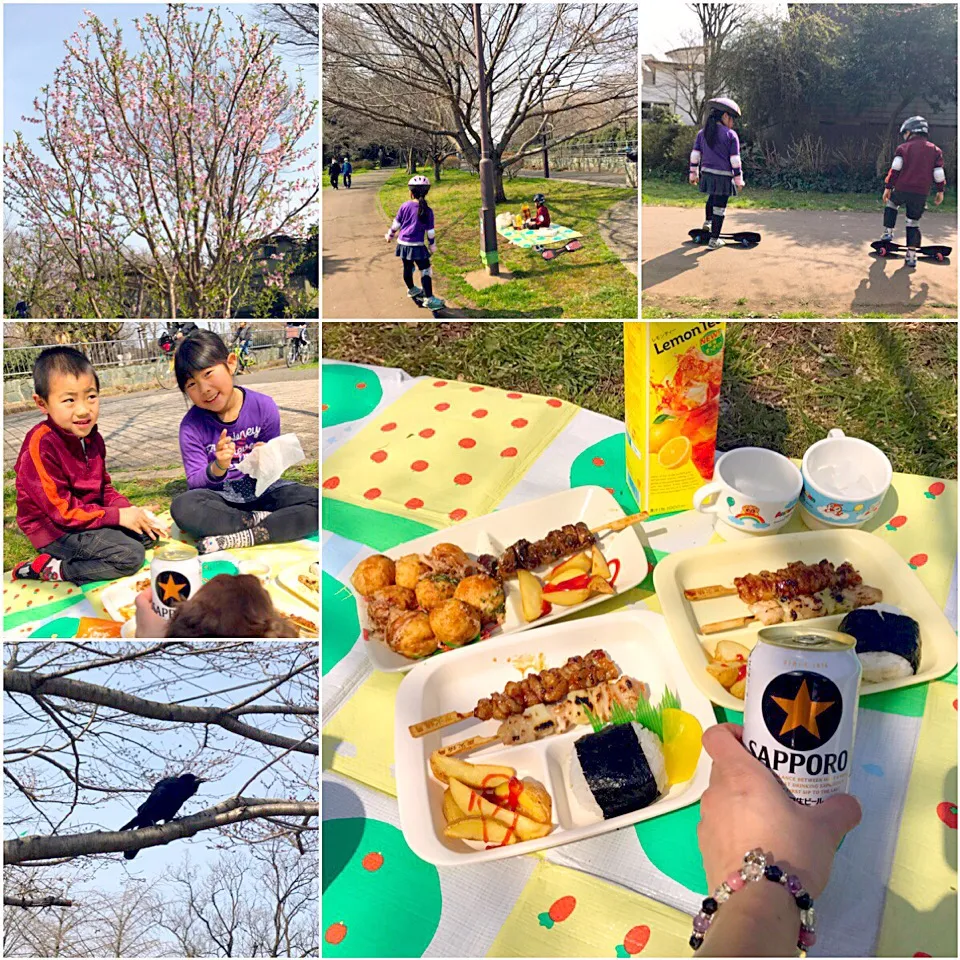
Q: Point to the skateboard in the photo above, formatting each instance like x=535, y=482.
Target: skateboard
x=550, y=254
x=421, y=303
x=932, y=252
x=745, y=238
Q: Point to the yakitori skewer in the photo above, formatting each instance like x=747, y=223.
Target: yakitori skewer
x=622, y=523
x=794, y=580
x=549, y=686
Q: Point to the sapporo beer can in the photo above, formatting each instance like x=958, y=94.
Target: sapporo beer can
x=800, y=708
x=174, y=576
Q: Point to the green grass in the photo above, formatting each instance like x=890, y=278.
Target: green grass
x=784, y=384
x=589, y=283
x=356, y=173
x=659, y=193
x=155, y=494
x=659, y=313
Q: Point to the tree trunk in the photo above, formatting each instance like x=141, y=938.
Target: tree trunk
x=411, y=161
x=436, y=169
x=499, y=193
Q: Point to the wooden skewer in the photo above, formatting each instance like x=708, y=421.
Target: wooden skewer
x=722, y=625
x=424, y=727
x=709, y=593
x=464, y=746
x=622, y=523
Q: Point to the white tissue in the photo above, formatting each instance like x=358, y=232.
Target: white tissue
x=267, y=462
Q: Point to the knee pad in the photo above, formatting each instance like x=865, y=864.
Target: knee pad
x=889, y=216
x=913, y=223
x=426, y=273
x=719, y=211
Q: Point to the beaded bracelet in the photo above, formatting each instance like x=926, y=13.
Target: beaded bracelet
x=754, y=867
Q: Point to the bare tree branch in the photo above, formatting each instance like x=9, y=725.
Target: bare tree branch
x=41, y=902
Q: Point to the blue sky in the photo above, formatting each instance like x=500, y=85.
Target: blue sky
x=33, y=35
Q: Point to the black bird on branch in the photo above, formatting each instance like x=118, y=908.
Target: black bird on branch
x=166, y=798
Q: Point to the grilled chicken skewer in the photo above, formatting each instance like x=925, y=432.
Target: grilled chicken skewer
x=821, y=604
x=795, y=580
x=545, y=720
x=548, y=686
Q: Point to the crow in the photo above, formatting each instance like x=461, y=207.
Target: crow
x=166, y=798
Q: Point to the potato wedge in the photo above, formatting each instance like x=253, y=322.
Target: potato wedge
x=599, y=566
x=531, y=595
x=739, y=689
x=567, y=598
x=577, y=564
x=722, y=673
x=729, y=650
x=533, y=800
x=480, y=828
x=473, y=803
x=451, y=811
x=599, y=585
x=483, y=776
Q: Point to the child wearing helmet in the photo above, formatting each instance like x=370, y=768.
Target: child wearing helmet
x=917, y=163
x=542, y=218
x=416, y=240
x=715, y=164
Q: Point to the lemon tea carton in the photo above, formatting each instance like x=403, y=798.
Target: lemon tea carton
x=672, y=373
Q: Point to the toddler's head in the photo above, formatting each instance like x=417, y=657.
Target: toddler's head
x=230, y=606
x=67, y=389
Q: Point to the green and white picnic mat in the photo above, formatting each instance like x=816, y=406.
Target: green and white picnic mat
x=403, y=457
x=533, y=238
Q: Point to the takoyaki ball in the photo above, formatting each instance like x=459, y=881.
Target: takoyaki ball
x=485, y=593
x=372, y=574
x=449, y=558
x=410, y=635
x=434, y=590
x=387, y=599
x=410, y=569
x=454, y=622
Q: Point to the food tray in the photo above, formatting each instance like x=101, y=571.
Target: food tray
x=122, y=593
x=637, y=641
x=289, y=579
x=879, y=564
x=495, y=532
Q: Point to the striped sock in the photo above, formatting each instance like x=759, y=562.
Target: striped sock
x=233, y=541
x=258, y=516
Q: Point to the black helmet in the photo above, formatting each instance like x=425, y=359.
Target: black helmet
x=914, y=125
x=539, y=198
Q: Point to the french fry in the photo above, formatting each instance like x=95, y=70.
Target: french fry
x=480, y=775
x=474, y=803
x=480, y=828
x=599, y=566
x=531, y=595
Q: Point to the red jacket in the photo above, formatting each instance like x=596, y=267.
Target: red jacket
x=63, y=485
x=917, y=164
x=542, y=219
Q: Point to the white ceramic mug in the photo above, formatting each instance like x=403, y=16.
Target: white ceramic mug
x=753, y=491
x=844, y=482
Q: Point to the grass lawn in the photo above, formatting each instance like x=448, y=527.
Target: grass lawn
x=588, y=283
x=784, y=384
x=329, y=186
x=659, y=193
x=155, y=494
x=658, y=313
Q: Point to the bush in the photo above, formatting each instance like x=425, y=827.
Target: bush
x=365, y=165
x=666, y=146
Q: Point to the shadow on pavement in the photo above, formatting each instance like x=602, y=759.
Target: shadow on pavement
x=333, y=265
x=881, y=290
x=674, y=262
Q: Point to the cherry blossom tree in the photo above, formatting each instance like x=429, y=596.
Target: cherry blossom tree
x=189, y=147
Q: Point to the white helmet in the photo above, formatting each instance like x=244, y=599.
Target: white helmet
x=418, y=181
x=724, y=104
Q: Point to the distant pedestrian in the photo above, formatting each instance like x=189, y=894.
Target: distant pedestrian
x=416, y=240
x=917, y=164
x=334, y=171
x=715, y=164
x=347, y=172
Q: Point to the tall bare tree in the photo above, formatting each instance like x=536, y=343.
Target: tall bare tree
x=297, y=26
x=718, y=23
x=543, y=61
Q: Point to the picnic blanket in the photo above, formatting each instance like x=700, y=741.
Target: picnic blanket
x=893, y=890
x=533, y=238
x=44, y=609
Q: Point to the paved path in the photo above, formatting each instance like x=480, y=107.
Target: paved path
x=140, y=429
x=362, y=277
x=808, y=260
x=619, y=232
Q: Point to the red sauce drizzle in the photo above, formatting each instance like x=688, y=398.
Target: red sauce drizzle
x=580, y=582
x=614, y=563
x=514, y=789
x=742, y=672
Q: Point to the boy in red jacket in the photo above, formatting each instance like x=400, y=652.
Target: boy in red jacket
x=83, y=529
x=917, y=165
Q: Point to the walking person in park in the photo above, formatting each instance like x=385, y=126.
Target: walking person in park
x=715, y=164
x=917, y=163
x=347, y=172
x=413, y=227
x=334, y=171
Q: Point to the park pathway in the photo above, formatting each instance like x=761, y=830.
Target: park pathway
x=362, y=277
x=808, y=261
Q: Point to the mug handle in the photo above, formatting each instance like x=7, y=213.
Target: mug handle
x=708, y=490
x=834, y=433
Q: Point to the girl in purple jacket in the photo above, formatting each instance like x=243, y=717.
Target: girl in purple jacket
x=715, y=164
x=416, y=240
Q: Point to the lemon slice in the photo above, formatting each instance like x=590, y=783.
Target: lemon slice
x=682, y=736
x=674, y=453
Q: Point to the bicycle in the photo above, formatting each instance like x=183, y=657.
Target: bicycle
x=164, y=369
x=298, y=346
x=246, y=358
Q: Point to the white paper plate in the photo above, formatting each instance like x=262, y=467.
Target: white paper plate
x=495, y=532
x=636, y=640
x=879, y=564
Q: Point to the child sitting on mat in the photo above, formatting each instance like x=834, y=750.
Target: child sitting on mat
x=542, y=219
x=221, y=509
x=83, y=529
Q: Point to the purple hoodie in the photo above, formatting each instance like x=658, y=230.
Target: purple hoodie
x=723, y=158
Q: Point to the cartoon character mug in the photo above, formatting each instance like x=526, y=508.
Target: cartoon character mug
x=844, y=482
x=754, y=491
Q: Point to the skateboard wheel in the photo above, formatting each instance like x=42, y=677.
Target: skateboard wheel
x=940, y=256
x=882, y=251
